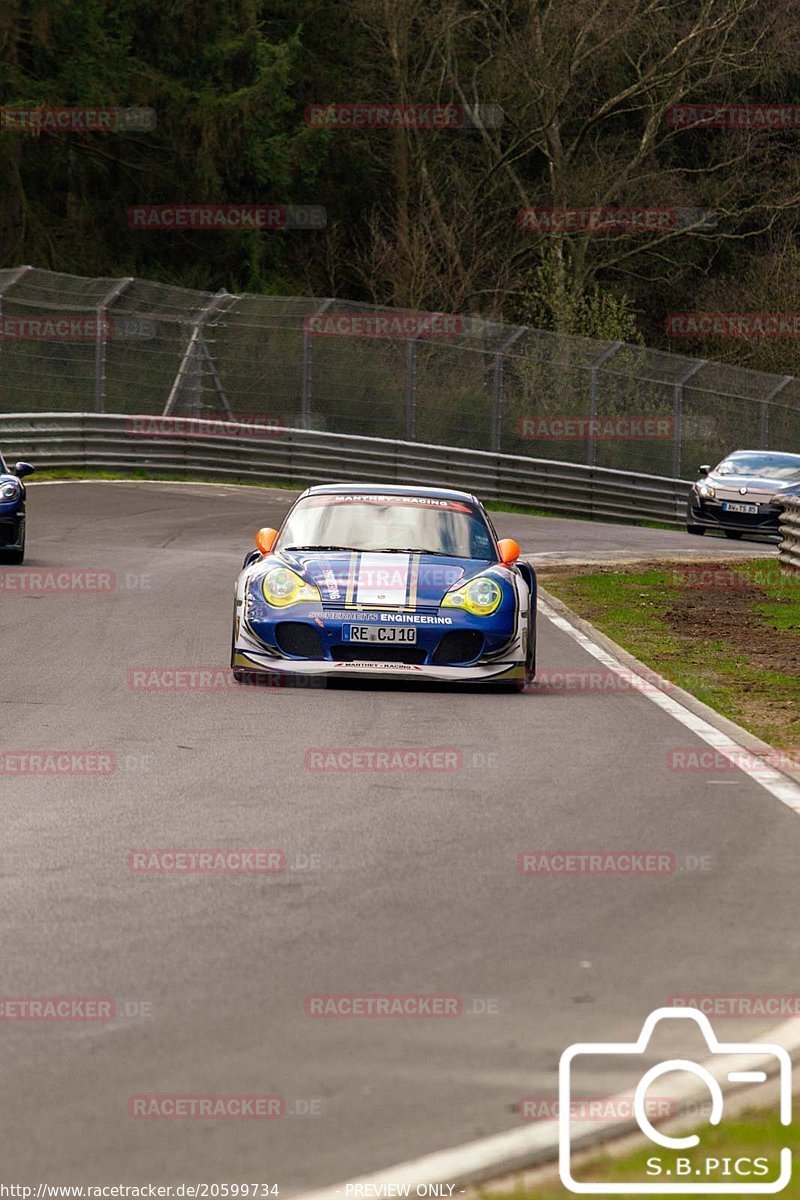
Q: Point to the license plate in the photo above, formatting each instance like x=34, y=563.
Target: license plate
x=748, y=508
x=385, y=634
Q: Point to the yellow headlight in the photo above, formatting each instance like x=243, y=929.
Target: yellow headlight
x=480, y=596
x=282, y=587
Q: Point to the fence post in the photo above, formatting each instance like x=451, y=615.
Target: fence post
x=591, y=448
x=677, y=416
x=305, y=395
x=765, y=403
x=497, y=388
x=100, y=342
x=188, y=366
x=16, y=275
x=411, y=390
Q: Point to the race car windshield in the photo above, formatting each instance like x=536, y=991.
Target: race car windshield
x=782, y=467
x=388, y=523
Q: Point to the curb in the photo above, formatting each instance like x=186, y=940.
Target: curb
x=744, y=737
x=504, y=1154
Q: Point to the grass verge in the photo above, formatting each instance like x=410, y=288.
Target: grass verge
x=728, y=632
x=755, y=1133
x=91, y=473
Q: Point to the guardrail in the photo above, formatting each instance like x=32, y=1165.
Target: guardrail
x=131, y=345
x=273, y=454
x=789, y=549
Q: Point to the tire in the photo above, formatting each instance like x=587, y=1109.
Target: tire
x=14, y=557
x=515, y=688
x=518, y=686
x=733, y=533
x=530, y=661
x=698, y=530
x=239, y=674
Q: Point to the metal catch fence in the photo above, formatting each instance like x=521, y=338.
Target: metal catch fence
x=128, y=346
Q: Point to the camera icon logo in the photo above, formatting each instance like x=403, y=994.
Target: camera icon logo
x=675, y=1170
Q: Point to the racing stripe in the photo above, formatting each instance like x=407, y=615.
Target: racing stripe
x=411, y=598
x=349, y=600
x=383, y=579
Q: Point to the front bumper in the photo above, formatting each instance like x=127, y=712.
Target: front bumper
x=711, y=515
x=317, y=642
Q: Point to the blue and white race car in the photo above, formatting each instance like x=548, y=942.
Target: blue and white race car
x=406, y=582
x=12, y=511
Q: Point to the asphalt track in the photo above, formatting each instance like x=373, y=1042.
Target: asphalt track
x=415, y=888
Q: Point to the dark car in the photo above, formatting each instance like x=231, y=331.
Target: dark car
x=742, y=494
x=12, y=511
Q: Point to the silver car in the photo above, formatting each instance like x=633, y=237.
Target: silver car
x=742, y=494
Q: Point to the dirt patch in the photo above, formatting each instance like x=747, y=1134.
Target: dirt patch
x=716, y=603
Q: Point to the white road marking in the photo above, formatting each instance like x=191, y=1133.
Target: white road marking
x=774, y=782
x=518, y=1149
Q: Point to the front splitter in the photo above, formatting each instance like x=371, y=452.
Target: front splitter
x=494, y=672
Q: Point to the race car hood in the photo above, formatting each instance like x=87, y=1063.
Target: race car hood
x=388, y=580
x=756, y=485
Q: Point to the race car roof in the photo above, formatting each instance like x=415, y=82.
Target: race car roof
x=769, y=454
x=388, y=489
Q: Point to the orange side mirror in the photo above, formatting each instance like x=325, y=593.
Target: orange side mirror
x=265, y=539
x=509, y=551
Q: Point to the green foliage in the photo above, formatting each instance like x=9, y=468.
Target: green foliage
x=418, y=218
x=557, y=300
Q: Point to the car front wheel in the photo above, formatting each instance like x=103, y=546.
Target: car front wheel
x=15, y=557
